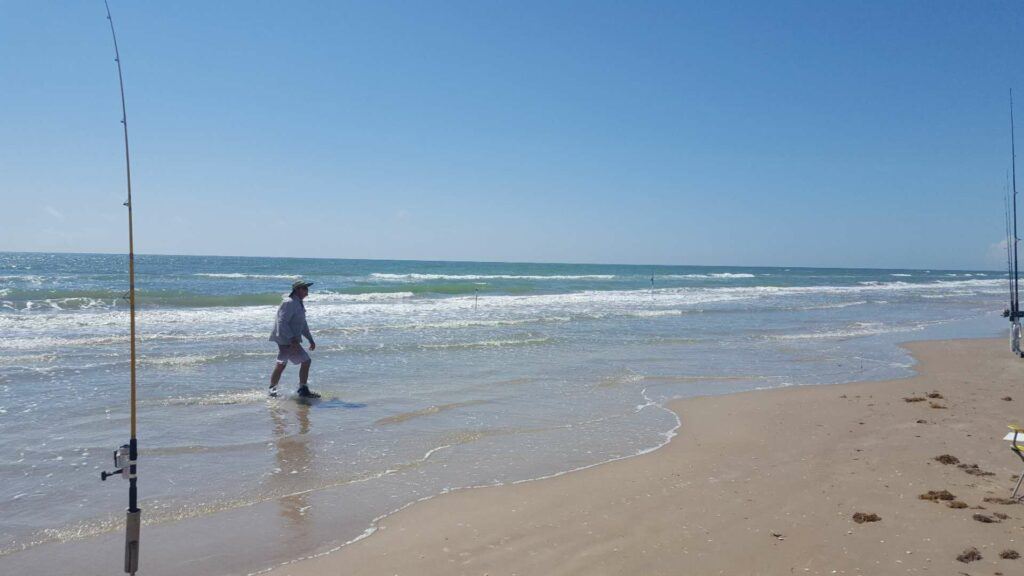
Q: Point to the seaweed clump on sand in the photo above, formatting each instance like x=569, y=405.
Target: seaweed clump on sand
x=974, y=470
x=936, y=405
x=936, y=495
x=936, y=396
x=914, y=399
x=1009, y=555
x=947, y=459
x=985, y=519
x=1007, y=399
x=957, y=504
x=862, y=517
x=998, y=500
x=969, y=555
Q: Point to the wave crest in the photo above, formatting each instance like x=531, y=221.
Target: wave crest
x=419, y=277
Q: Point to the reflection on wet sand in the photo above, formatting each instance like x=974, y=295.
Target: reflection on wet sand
x=294, y=458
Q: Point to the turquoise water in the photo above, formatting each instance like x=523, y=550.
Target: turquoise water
x=436, y=376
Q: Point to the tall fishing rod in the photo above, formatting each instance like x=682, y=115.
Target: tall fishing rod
x=1006, y=238
x=126, y=457
x=1015, y=312
x=1010, y=312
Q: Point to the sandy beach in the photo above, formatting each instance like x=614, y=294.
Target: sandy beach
x=764, y=482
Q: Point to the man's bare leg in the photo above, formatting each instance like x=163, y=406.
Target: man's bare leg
x=304, y=372
x=275, y=377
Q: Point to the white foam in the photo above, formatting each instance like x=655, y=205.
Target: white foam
x=712, y=275
x=251, y=276
x=224, y=398
x=419, y=277
x=854, y=330
x=497, y=343
x=655, y=313
x=31, y=278
x=52, y=328
x=178, y=361
x=836, y=305
x=366, y=297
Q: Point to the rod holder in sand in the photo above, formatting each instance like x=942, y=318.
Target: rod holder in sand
x=133, y=522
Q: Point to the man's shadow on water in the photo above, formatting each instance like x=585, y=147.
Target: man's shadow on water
x=295, y=475
x=293, y=456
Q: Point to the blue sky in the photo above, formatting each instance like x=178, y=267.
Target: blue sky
x=734, y=133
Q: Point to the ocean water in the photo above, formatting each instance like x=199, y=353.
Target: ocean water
x=436, y=376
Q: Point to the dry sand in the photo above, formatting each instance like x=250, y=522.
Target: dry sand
x=763, y=482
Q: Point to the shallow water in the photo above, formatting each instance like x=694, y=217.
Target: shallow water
x=436, y=376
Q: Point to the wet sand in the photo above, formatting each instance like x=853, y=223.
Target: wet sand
x=765, y=482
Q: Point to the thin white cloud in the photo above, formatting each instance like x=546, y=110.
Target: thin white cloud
x=996, y=254
x=55, y=213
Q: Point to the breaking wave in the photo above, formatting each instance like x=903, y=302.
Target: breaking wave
x=717, y=275
x=252, y=276
x=419, y=277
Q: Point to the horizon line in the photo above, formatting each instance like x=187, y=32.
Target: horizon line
x=500, y=261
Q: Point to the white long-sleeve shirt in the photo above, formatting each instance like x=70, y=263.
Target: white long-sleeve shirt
x=291, y=323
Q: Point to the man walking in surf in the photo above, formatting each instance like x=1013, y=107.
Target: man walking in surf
x=289, y=328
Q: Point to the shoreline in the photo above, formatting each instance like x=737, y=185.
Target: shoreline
x=669, y=435
x=375, y=523
x=369, y=554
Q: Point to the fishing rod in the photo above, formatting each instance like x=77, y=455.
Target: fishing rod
x=1006, y=238
x=126, y=457
x=1015, y=312
x=1010, y=313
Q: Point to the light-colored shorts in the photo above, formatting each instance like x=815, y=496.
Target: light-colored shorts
x=297, y=354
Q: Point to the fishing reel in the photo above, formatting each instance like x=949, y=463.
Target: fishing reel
x=122, y=461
